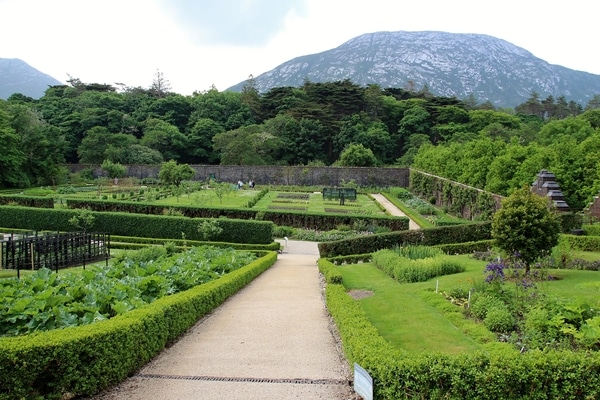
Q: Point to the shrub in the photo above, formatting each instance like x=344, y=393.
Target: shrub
x=499, y=319
x=481, y=303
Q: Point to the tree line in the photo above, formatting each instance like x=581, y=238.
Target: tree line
x=332, y=123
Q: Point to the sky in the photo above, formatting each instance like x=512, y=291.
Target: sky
x=198, y=44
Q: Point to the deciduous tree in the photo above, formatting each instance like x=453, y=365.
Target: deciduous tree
x=172, y=173
x=525, y=226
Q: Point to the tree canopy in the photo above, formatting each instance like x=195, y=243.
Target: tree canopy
x=525, y=227
x=476, y=144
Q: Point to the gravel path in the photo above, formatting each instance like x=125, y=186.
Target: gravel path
x=272, y=340
x=393, y=210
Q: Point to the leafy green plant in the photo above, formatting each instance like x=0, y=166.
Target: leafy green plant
x=221, y=189
x=84, y=219
x=45, y=300
x=209, y=229
x=499, y=319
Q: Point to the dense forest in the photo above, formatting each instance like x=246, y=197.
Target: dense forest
x=334, y=123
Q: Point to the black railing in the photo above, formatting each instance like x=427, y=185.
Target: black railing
x=53, y=250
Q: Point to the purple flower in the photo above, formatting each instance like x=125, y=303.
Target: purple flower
x=494, y=271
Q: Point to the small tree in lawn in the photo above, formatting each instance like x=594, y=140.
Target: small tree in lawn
x=525, y=226
x=221, y=189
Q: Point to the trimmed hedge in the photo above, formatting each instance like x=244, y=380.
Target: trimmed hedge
x=503, y=373
x=28, y=201
x=427, y=237
x=124, y=224
x=467, y=247
x=591, y=230
x=584, y=243
x=143, y=242
x=321, y=221
x=85, y=360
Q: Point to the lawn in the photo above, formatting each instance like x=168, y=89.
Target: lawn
x=314, y=203
x=400, y=316
x=408, y=322
x=208, y=198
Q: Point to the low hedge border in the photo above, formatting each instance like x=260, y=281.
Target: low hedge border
x=591, y=230
x=467, y=247
x=503, y=373
x=583, y=243
x=83, y=361
x=296, y=219
x=117, y=240
x=426, y=237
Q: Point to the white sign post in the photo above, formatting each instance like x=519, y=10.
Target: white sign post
x=363, y=383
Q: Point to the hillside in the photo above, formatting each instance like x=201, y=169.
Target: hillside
x=448, y=64
x=16, y=76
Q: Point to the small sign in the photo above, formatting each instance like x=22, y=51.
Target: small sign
x=363, y=383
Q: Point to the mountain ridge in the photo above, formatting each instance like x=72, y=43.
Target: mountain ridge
x=16, y=76
x=447, y=64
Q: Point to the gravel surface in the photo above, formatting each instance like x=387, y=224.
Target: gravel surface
x=272, y=340
x=393, y=210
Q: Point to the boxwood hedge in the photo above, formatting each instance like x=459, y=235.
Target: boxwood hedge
x=427, y=237
x=126, y=224
x=499, y=372
x=82, y=361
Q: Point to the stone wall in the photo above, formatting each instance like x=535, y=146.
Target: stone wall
x=278, y=175
x=593, y=210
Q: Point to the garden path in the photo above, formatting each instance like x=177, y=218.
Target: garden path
x=272, y=340
x=393, y=210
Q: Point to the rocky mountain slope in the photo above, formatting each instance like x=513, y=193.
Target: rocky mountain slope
x=16, y=76
x=448, y=64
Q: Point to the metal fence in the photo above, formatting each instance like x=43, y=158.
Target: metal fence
x=53, y=250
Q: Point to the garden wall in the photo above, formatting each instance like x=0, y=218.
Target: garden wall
x=460, y=199
x=277, y=175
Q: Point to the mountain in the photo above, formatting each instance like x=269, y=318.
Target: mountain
x=16, y=76
x=448, y=64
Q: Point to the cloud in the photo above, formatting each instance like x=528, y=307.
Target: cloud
x=233, y=22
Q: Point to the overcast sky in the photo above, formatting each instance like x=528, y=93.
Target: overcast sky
x=200, y=43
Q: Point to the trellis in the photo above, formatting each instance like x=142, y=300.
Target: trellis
x=53, y=250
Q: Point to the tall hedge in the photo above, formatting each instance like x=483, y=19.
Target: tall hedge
x=84, y=360
x=27, y=201
x=125, y=224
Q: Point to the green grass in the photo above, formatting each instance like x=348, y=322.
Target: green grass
x=208, y=198
x=410, y=213
x=405, y=319
x=363, y=205
x=401, y=317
